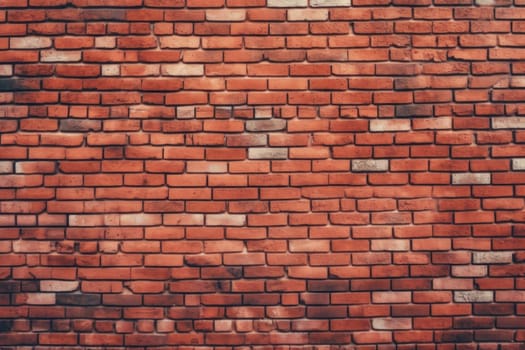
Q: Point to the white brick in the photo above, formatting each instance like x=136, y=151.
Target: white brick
x=6, y=70
x=390, y=244
x=307, y=15
x=392, y=323
x=110, y=70
x=287, y=3
x=369, y=165
x=475, y=296
x=266, y=125
x=226, y=15
x=225, y=220
x=492, y=257
x=329, y=3
x=390, y=125
x=182, y=69
x=508, y=123
x=6, y=167
x=518, y=164
x=471, y=179
x=60, y=56
x=58, y=286
x=30, y=42
x=105, y=42
x=268, y=153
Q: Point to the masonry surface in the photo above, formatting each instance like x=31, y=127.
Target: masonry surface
x=262, y=174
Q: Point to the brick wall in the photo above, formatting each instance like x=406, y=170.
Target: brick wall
x=262, y=174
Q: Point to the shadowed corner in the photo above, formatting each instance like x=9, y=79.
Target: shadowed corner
x=6, y=325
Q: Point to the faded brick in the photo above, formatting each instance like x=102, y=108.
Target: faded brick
x=492, y=257
x=287, y=3
x=30, y=42
x=373, y=165
x=307, y=15
x=518, y=164
x=268, y=153
x=473, y=296
x=225, y=220
x=182, y=69
x=266, y=125
x=329, y=3
x=58, y=286
x=390, y=125
x=508, y=123
x=392, y=323
x=471, y=179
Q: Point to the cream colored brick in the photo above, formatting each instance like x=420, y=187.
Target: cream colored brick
x=6, y=167
x=184, y=219
x=185, y=112
x=391, y=244
x=268, y=153
x=508, y=123
x=391, y=297
x=6, y=70
x=475, y=296
x=105, y=42
x=58, y=286
x=110, y=70
x=307, y=15
x=287, y=3
x=390, y=125
x=179, y=42
x=225, y=220
x=471, y=179
x=40, y=298
x=392, y=323
x=225, y=15
x=60, y=56
x=518, y=164
x=263, y=112
x=369, y=165
x=492, y=257
x=469, y=271
x=329, y=3
x=30, y=42
x=182, y=69
x=140, y=219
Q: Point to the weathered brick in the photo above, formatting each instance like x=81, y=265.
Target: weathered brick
x=266, y=125
x=268, y=153
x=471, y=179
x=473, y=296
x=508, y=122
x=518, y=164
x=329, y=3
x=287, y=3
x=182, y=69
x=373, y=165
x=492, y=257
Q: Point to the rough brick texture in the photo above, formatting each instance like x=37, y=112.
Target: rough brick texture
x=262, y=174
